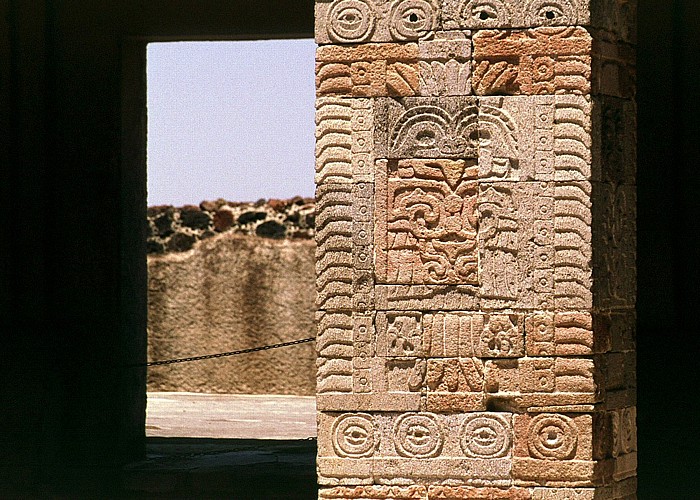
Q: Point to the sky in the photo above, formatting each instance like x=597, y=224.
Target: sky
x=232, y=120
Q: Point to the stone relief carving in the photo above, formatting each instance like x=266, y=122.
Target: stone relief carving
x=431, y=222
x=476, y=249
x=486, y=435
x=480, y=14
x=359, y=21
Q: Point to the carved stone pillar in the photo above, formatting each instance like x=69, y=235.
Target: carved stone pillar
x=476, y=249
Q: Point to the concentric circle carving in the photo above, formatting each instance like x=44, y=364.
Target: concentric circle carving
x=350, y=21
x=354, y=435
x=418, y=435
x=485, y=436
x=411, y=19
x=552, y=437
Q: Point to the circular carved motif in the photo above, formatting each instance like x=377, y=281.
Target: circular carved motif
x=552, y=437
x=411, y=19
x=417, y=435
x=353, y=435
x=350, y=21
x=485, y=436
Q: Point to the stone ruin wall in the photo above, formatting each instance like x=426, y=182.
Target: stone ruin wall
x=476, y=249
x=225, y=276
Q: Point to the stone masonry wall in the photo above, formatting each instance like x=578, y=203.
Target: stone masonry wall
x=476, y=249
x=226, y=276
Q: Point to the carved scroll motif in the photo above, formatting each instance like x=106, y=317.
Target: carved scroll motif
x=431, y=222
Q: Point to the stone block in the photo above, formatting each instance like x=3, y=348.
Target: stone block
x=565, y=334
x=445, y=64
x=535, y=138
x=530, y=62
x=440, y=492
x=360, y=21
x=426, y=297
x=427, y=127
x=614, y=130
x=415, y=447
x=552, y=61
x=449, y=335
x=615, y=491
x=369, y=70
x=334, y=260
x=345, y=279
x=344, y=149
x=614, y=240
x=617, y=18
x=484, y=14
x=529, y=384
x=510, y=138
x=534, y=245
x=614, y=71
x=374, y=492
x=554, y=450
x=455, y=384
x=426, y=222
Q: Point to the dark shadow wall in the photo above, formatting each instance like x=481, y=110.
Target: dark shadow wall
x=72, y=212
x=72, y=206
x=668, y=253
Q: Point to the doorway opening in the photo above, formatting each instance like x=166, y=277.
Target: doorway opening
x=230, y=244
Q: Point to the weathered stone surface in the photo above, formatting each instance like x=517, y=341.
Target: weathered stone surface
x=536, y=61
x=614, y=264
x=529, y=383
x=445, y=64
x=472, y=493
x=229, y=292
x=551, y=61
x=359, y=21
x=344, y=140
x=369, y=70
x=616, y=17
x=491, y=250
x=554, y=449
x=415, y=447
x=614, y=149
x=426, y=223
x=509, y=138
x=374, y=492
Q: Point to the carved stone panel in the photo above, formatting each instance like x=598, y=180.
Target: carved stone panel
x=475, y=224
x=415, y=447
x=360, y=21
x=428, y=225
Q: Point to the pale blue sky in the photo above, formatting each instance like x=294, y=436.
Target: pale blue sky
x=231, y=120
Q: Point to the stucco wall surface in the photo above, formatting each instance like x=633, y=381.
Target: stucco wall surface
x=229, y=292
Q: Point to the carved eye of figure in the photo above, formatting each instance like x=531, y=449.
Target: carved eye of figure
x=350, y=21
x=356, y=435
x=485, y=436
x=552, y=437
x=550, y=12
x=425, y=138
x=418, y=434
x=485, y=13
x=412, y=19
